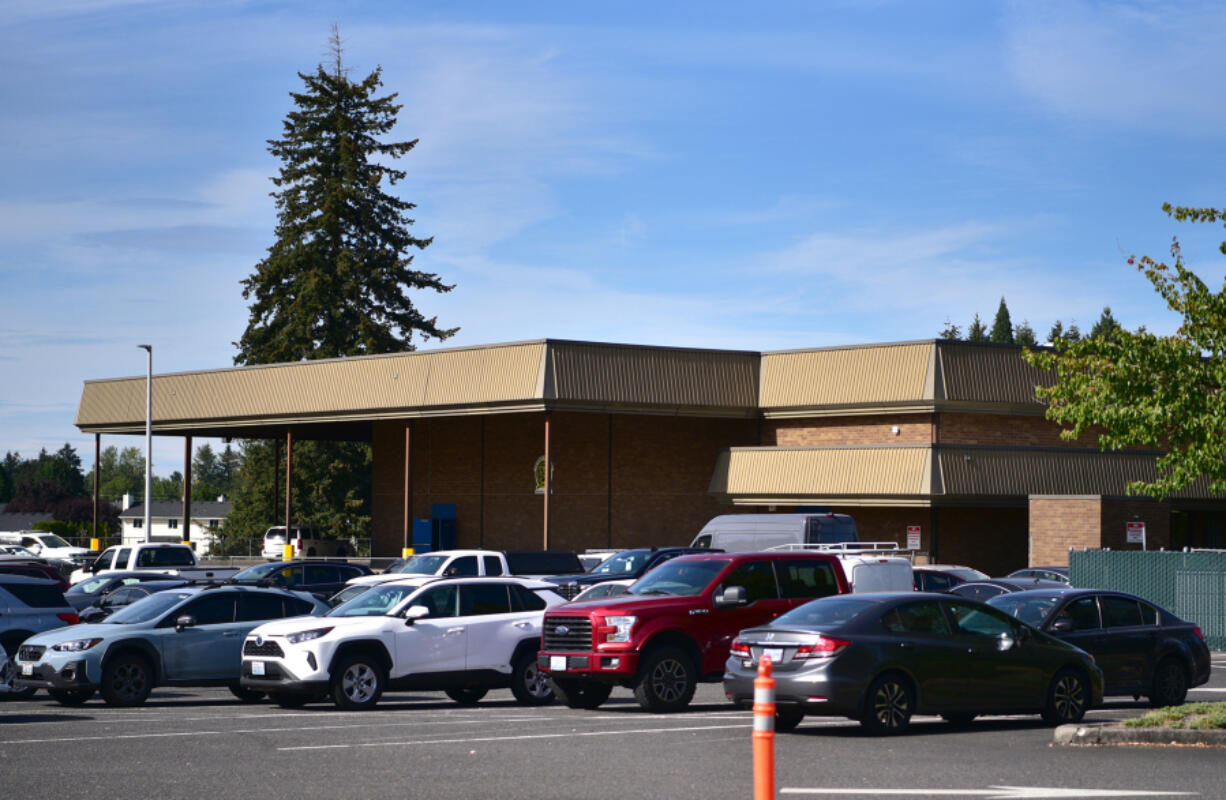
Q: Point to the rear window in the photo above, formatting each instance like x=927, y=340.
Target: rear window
x=165, y=557
x=806, y=579
x=546, y=562
x=36, y=596
x=828, y=611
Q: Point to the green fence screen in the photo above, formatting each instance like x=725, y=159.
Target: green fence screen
x=1190, y=585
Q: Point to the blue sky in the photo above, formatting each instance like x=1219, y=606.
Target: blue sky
x=759, y=176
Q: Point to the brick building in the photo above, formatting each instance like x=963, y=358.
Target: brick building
x=648, y=443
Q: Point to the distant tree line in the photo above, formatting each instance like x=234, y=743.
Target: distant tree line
x=1003, y=331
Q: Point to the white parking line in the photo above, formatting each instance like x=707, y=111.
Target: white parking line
x=567, y=735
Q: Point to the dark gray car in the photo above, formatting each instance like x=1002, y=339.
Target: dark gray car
x=880, y=658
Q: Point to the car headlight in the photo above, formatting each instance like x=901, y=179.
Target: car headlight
x=75, y=646
x=306, y=636
x=621, y=628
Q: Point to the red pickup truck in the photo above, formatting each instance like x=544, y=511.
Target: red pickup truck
x=674, y=626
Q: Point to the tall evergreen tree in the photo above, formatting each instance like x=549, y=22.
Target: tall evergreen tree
x=1002, y=326
x=1024, y=335
x=1106, y=327
x=334, y=283
x=1056, y=333
x=950, y=332
x=977, y=331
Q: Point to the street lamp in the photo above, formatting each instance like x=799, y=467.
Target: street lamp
x=148, y=348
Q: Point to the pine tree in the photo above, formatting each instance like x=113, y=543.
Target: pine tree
x=1002, y=326
x=1024, y=335
x=1073, y=334
x=950, y=332
x=1056, y=333
x=334, y=282
x=977, y=331
x=1106, y=327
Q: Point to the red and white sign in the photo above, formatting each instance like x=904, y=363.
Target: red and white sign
x=913, y=537
x=1136, y=533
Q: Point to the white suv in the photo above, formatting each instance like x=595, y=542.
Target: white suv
x=463, y=636
x=308, y=542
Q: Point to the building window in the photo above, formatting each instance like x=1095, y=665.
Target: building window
x=172, y=523
x=213, y=524
x=138, y=523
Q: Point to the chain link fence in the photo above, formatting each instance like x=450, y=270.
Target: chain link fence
x=1191, y=585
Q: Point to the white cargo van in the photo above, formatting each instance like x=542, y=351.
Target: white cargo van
x=869, y=566
x=744, y=533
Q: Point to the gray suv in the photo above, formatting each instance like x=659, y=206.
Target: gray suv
x=28, y=606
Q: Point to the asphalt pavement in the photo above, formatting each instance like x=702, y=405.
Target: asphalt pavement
x=204, y=744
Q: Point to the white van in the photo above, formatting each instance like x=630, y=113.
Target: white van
x=869, y=566
x=746, y=533
x=308, y=542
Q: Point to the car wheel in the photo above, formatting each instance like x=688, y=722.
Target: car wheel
x=667, y=680
x=287, y=700
x=8, y=674
x=888, y=705
x=246, y=695
x=1170, y=684
x=127, y=680
x=71, y=697
x=1067, y=698
x=467, y=697
x=787, y=719
x=357, y=683
x=958, y=720
x=529, y=685
x=580, y=694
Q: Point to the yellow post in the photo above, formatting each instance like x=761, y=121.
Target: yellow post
x=95, y=544
x=287, y=552
x=406, y=552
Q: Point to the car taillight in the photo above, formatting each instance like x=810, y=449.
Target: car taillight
x=824, y=647
x=1199, y=633
x=70, y=617
x=739, y=648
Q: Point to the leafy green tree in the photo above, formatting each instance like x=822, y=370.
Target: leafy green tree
x=1136, y=389
x=1024, y=335
x=120, y=472
x=950, y=332
x=1106, y=326
x=335, y=282
x=977, y=331
x=1002, y=326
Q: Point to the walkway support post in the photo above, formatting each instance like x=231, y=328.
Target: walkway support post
x=95, y=541
x=288, y=553
x=548, y=478
x=764, y=732
x=186, y=538
x=407, y=547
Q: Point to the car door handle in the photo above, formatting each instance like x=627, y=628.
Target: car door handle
x=455, y=630
x=523, y=624
x=230, y=634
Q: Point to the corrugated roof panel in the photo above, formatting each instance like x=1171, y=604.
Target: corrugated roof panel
x=989, y=374
x=483, y=375
x=823, y=472
x=669, y=377
x=846, y=376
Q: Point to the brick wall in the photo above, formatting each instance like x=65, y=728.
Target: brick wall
x=1117, y=513
x=1004, y=430
x=992, y=540
x=851, y=430
x=1058, y=523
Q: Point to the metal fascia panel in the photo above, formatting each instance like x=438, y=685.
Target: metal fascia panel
x=812, y=471
x=846, y=376
x=990, y=373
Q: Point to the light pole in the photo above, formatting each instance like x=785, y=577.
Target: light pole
x=148, y=348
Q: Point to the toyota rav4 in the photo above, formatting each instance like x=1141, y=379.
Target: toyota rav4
x=673, y=627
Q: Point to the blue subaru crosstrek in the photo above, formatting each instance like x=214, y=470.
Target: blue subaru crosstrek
x=191, y=636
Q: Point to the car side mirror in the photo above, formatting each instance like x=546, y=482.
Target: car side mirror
x=184, y=622
x=1063, y=625
x=1005, y=642
x=731, y=596
x=415, y=613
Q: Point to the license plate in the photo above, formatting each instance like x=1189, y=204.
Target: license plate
x=557, y=663
x=775, y=654
x=257, y=667
x=27, y=669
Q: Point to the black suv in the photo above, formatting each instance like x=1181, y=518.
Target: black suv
x=626, y=565
x=322, y=578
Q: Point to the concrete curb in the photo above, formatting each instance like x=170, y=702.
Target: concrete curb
x=1115, y=734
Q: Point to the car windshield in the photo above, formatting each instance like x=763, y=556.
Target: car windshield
x=1029, y=608
x=376, y=602
x=620, y=564
x=422, y=565
x=149, y=608
x=679, y=577
x=257, y=573
x=966, y=573
x=826, y=612
x=89, y=586
x=346, y=594
x=51, y=540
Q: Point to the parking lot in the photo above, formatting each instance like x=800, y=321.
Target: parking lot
x=203, y=743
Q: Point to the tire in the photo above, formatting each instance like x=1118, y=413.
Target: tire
x=127, y=680
x=71, y=697
x=888, y=705
x=1067, y=698
x=667, y=680
x=357, y=682
x=530, y=686
x=580, y=694
x=293, y=700
x=467, y=697
x=786, y=719
x=958, y=720
x=1170, y=684
x=246, y=695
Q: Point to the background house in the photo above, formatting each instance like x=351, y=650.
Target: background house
x=166, y=521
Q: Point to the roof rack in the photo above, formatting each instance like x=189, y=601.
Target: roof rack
x=850, y=548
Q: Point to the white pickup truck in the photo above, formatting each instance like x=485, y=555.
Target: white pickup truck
x=474, y=563
x=172, y=559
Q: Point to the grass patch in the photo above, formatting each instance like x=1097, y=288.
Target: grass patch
x=1193, y=716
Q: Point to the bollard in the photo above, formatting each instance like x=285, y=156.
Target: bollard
x=287, y=552
x=95, y=544
x=406, y=552
x=764, y=732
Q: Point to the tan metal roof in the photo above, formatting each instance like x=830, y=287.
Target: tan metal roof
x=979, y=373
x=923, y=474
x=884, y=375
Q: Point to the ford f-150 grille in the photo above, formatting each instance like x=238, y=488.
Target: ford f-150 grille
x=30, y=652
x=269, y=649
x=567, y=633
